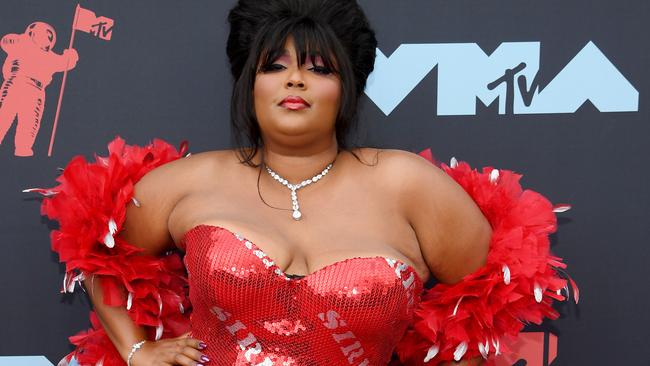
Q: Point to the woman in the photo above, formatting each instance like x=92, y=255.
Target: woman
x=299, y=249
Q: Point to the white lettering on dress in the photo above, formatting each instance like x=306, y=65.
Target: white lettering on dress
x=333, y=320
x=243, y=343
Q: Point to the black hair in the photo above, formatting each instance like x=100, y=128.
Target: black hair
x=336, y=30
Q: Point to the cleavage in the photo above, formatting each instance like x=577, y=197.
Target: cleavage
x=289, y=273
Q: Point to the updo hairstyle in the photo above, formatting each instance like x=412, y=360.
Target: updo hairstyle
x=336, y=30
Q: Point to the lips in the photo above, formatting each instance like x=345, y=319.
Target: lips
x=294, y=102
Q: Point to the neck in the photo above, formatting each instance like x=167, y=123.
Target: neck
x=295, y=163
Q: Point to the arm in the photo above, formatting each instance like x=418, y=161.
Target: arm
x=117, y=323
x=452, y=232
x=67, y=60
x=145, y=227
x=105, y=231
x=468, y=315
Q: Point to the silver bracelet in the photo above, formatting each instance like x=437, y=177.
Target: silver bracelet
x=134, y=348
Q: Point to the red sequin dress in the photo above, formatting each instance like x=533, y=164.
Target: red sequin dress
x=352, y=312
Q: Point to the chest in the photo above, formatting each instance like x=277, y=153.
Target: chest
x=339, y=221
x=351, y=311
x=235, y=285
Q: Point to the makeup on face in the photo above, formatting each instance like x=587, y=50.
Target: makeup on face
x=286, y=58
x=294, y=100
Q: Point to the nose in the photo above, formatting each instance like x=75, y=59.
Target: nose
x=295, y=80
x=292, y=83
x=295, y=83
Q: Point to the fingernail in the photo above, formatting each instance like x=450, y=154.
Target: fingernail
x=202, y=345
x=199, y=364
x=205, y=358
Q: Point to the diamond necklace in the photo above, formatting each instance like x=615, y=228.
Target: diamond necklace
x=294, y=187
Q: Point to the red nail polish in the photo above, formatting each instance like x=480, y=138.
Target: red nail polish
x=202, y=345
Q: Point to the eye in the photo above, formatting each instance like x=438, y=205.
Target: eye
x=321, y=70
x=271, y=67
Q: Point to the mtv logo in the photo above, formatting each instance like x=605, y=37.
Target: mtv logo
x=508, y=76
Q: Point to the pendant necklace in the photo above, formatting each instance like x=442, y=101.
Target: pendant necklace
x=294, y=187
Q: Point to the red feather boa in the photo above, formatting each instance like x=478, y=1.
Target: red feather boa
x=517, y=285
x=90, y=204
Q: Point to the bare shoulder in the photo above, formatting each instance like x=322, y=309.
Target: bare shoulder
x=401, y=168
x=158, y=192
x=182, y=175
x=452, y=231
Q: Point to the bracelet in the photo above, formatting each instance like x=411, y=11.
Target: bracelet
x=134, y=348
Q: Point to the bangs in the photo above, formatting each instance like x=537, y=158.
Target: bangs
x=309, y=38
x=332, y=34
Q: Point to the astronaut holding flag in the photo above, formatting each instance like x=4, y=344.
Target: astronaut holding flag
x=28, y=70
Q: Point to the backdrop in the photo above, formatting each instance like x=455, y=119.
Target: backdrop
x=552, y=89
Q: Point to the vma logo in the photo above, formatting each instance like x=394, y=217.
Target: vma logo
x=509, y=75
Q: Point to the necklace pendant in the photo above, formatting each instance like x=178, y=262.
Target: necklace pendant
x=297, y=215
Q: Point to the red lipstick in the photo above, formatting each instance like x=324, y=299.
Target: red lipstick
x=294, y=103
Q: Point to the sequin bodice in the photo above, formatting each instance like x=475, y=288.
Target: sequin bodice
x=250, y=312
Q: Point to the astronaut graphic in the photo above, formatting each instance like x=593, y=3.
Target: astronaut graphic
x=27, y=71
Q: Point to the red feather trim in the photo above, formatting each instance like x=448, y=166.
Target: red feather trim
x=517, y=285
x=90, y=205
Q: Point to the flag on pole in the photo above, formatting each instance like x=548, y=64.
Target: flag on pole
x=87, y=21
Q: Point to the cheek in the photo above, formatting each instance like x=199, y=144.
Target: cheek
x=331, y=92
x=262, y=90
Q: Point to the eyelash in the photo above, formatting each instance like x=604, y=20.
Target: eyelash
x=276, y=67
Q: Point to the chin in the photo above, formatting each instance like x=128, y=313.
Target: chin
x=293, y=130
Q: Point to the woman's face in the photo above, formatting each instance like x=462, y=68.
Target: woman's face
x=292, y=122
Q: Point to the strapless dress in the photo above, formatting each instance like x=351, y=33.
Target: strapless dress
x=249, y=312
x=352, y=312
